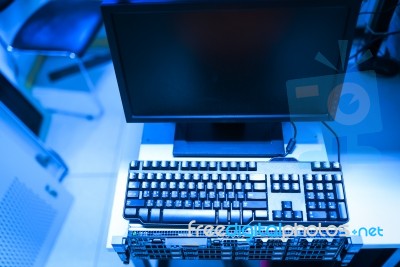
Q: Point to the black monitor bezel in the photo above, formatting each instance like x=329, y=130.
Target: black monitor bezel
x=110, y=8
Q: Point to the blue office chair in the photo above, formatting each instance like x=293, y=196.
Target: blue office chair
x=60, y=28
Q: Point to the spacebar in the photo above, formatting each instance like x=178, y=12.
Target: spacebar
x=185, y=216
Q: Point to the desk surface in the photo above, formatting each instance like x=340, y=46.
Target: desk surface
x=370, y=180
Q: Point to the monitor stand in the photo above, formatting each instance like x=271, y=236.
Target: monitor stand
x=228, y=140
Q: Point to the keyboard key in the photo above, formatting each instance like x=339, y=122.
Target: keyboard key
x=183, y=195
x=188, y=204
x=135, y=165
x=174, y=194
x=310, y=196
x=220, y=186
x=242, y=177
x=256, y=195
x=212, y=166
x=143, y=214
x=132, y=194
x=277, y=215
x=203, y=194
x=257, y=177
x=317, y=215
x=146, y=194
x=197, y=204
x=261, y=214
x=240, y=195
x=333, y=215
x=193, y=194
x=207, y=204
x=178, y=204
x=145, y=185
x=211, y=195
x=311, y=205
x=321, y=205
x=221, y=195
x=130, y=212
x=287, y=215
x=254, y=204
x=307, y=177
x=228, y=186
x=285, y=177
x=276, y=187
x=210, y=186
x=200, y=186
x=224, y=177
x=331, y=205
x=156, y=194
x=235, y=204
x=135, y=203
x=285, y=187
x=294, y=177
x=235, y=216
x=259, y=187
x=328, y=186
x=252, y=166
x=217, y=204
x=182, y=185
x=150, y=203
x=309, y=187
x=286, y=205
x=222, y=216
x=318, y=177
x=231, y=195
x=320, y=196
x=247, y=216
x=339, y=191
x=296, y=187
x=297, y=215
x=337, y=177
x=342, y=210
x=319, y=187
x=247, y=186
x=242, y=166
x=160, y=203
x=275, y=177
x=154, y=215
x=163, y=185
x=168, y=203
x=330, y=196
x=172, y=185
x=234, y=166
x=185, y=216
x=164, y=194
x=191, y=186
x=226, y=204
x=133, y=185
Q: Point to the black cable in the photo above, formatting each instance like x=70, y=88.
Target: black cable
x=379, y=12
x=337, y=139
x=365, y=47
x=292, y=142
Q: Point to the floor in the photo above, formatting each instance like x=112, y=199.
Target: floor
x=90, y=149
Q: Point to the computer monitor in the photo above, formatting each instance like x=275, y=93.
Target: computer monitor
x=229, y=72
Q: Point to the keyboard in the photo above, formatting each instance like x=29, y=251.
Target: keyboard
x=227, y=193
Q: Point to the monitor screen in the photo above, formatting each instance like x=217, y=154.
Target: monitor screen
x=233, y=61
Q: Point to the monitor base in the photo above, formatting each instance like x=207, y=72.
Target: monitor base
x=228, y=140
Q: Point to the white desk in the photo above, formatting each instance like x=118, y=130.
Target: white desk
x=372, y=182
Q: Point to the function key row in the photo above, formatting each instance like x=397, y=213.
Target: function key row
x=187, y=177
x=322, y=177
x=325, y=166
x=195, y=165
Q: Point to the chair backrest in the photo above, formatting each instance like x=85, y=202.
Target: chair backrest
x=5, y=3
